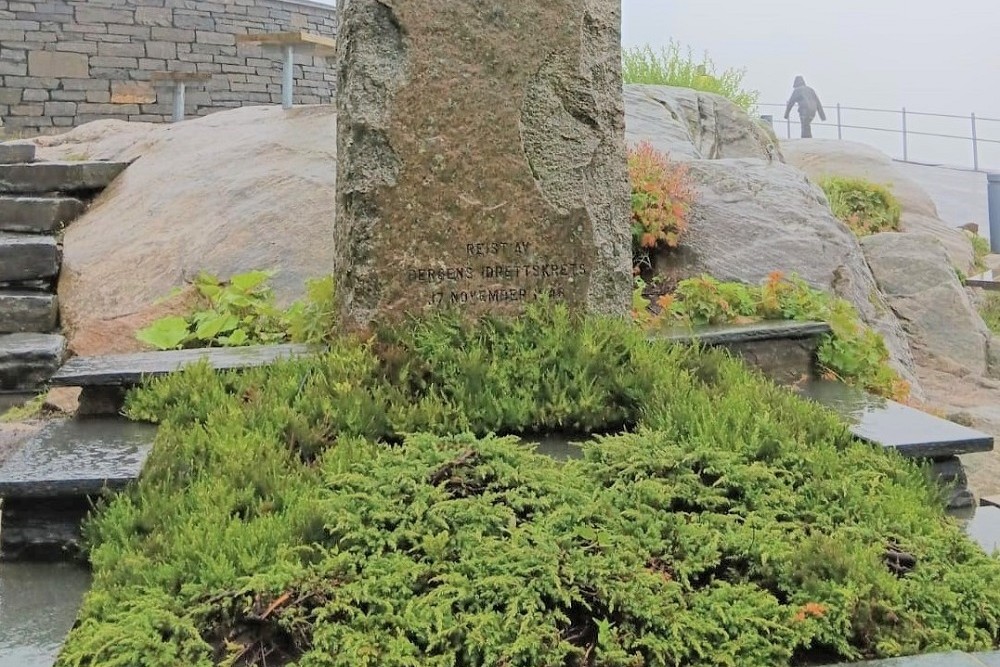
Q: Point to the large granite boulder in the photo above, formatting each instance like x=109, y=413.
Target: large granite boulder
x=689, y=124
x=752, y=218
x=829, y=157
x=251, y=188
x=944, y=327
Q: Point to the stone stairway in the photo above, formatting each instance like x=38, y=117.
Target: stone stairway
x=37, y=200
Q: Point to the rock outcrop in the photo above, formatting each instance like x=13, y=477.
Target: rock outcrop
x=828, y=157
x=245, y=189
x=752, y=218
x=944, y=327
x=689, y=124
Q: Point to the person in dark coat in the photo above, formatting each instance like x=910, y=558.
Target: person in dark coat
x=809, y=105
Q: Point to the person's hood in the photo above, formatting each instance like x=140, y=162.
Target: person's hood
x=799, y=82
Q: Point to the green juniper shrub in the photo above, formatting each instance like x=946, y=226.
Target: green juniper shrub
x=735, y=524
x=867, y=208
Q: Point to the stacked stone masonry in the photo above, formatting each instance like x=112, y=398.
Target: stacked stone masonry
x=68, y=62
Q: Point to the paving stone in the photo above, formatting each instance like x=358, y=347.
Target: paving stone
x=953, y=659
x=912, y=433
x=743, y=333
x=37, y=215
x=991, y=659
x=28, y=257
x=16, y=153
x=47, y=177
x=77, y=457
x=130, y=369
x=27, y=360
x=24, y=311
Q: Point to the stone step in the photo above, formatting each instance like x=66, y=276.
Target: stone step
x=126, y=370
x=48, y=177
x=783, y=350
x=48, y=484
x=28, y=257
x=911, y=432
x=37, y=215
x=23, y=311
x=953, y=659
x=28, y=360
x=16, y=153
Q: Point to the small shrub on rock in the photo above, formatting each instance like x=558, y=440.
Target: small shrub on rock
x=867, y=208
x=672, y=66
x=662, y=195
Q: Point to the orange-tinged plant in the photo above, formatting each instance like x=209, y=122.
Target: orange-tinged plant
x=810, y=610
x=662, y=196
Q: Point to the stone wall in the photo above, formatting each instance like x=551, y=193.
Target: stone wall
x=67, y=62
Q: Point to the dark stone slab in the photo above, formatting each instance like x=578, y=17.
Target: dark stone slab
x=483, y=168
x=76, y=458
x=989, y=280
x=25, y=311
x=27, y=360
x=16, y=153
x=745, y=333
x=39, y=603
x=43, y=529
x=984, y=528
x=784, y=351
x=953, y=659
x=28, y=257
x=37, y=215
x=883, y=422
x=46, y=177
x=130, y=369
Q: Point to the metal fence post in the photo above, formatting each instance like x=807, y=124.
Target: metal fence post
x=840, y=130
x=905, y=148
x=788, y=127
x=975, y=144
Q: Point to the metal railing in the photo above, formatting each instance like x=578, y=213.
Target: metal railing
x=984, y=131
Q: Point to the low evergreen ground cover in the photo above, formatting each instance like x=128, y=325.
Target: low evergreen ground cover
x=354, y=508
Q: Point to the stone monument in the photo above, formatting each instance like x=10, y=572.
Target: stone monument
x=481, y=156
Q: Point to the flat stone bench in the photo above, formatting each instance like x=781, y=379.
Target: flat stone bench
x=783, y=350
x=104, y=379
x=48, y=485
x=179, y=81
x=46, y=177
x=291, y=43
x=988, y=280
x=911, y=432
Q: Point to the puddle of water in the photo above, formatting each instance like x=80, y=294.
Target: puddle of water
x=984, y=527
x=38, y=606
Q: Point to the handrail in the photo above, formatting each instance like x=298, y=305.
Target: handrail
x=975, y=122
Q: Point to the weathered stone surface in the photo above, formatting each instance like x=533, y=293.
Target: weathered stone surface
x=27, y=257
x=16, y=153
x=22, y=311
x=130, y=369
x=910, y=432
x=753, y=218
x=57, y=64
x=688, y=124
x=28, y=360
x=37, y=215
x=197, y=196
x=45, y=177
x=829, y=157
x=482, y=165
x=913, y=272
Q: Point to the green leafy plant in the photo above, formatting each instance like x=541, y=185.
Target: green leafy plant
x=31, y=409
x=662, y=196
x=865, y=207
x=242, y=311
x=980, y=249
x=736, y=524
x=674, y=66
x=853, y=352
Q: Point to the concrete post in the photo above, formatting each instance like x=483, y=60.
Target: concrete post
x=288, y=81
x=178, y=101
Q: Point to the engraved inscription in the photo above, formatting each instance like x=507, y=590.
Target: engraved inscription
x=517, y=275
